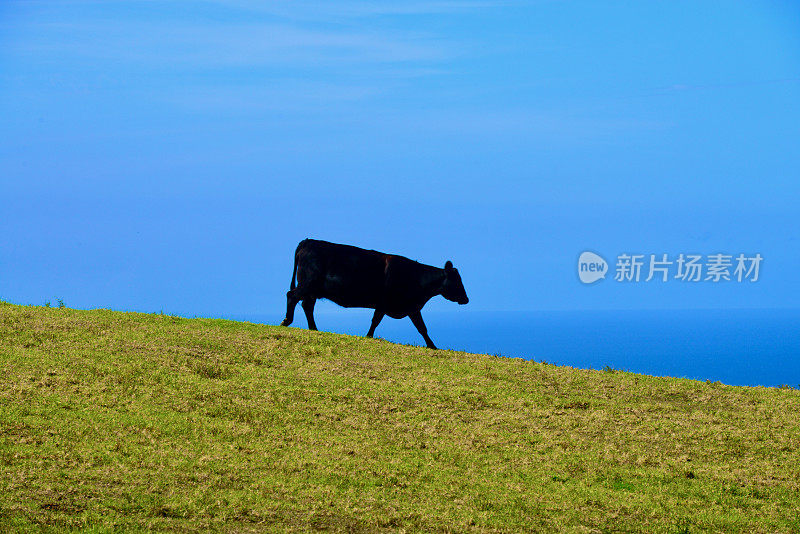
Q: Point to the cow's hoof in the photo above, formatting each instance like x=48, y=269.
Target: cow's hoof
x=285, y=323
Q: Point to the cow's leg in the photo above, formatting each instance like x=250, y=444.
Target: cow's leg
x=291, y=302
x=416, y=318
x=375, y=320
x=308, y=307
x=293, y=296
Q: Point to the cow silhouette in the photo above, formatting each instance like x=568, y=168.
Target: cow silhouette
x=358, y=278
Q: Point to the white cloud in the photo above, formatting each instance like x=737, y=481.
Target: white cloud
x=315, y=9
x=231, y=44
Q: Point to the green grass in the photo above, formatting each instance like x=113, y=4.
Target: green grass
x=126, y=421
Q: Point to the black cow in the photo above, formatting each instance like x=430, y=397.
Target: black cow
x=357, y=278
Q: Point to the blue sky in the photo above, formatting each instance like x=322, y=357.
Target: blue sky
x=159, y=155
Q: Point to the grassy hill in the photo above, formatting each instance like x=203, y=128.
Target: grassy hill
x=126, y=421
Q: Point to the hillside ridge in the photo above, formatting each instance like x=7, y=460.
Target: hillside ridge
x=118, y=421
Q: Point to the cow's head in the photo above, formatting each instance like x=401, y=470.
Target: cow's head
x=452, y=288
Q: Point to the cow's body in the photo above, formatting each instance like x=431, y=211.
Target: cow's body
x=357, y=278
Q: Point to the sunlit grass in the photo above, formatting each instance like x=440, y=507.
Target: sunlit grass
x=124, y=421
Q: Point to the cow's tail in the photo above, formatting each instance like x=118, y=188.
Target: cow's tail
x=294, y=272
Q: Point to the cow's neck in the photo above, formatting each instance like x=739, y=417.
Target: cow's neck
x=432, y=280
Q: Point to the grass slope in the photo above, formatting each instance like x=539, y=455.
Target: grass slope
x=125, y=421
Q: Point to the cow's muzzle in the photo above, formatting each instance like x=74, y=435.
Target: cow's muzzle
x=463, y=301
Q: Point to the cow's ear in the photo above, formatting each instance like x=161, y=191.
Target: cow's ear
x=448, y=266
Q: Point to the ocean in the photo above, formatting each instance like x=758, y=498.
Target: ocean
x=738, y=347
